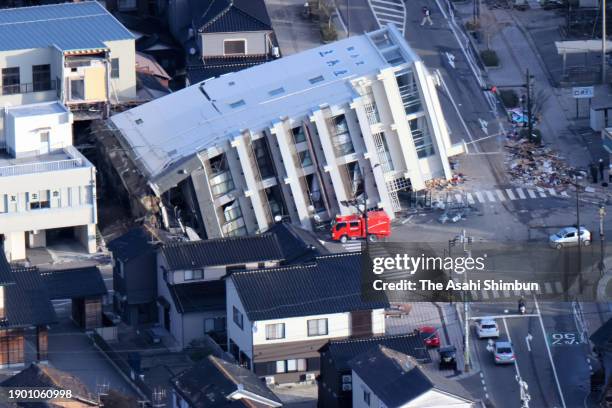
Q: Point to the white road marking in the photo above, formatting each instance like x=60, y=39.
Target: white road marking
x=470, y=199
x=559, y=287
x=531, y=193
x=535, y=300
x=500, y=195
x=520, y=193
x=474, y=294
x=552, y=192
x=548, y=287
x=516, y=367
x=517, y=293
x=506, y=293
x=528, y=339
x=510, y=194
x=459, y=198
x=495, y=294
x=505, y=316
x=541, y=192
x=479, y=196
x=564, y=194
x=490, y=196
x=485, y=295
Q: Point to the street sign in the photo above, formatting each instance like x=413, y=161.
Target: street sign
x=581, y=92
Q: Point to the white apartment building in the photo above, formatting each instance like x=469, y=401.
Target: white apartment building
x=279, y=318
x=46, y=185
x=77, y=53
x=295, y=137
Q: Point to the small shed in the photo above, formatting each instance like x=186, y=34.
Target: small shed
x=84, y=286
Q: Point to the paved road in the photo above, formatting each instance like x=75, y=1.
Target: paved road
x=556, y=332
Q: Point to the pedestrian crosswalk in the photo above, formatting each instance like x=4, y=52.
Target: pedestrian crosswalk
x=389, y=11
x=352, y=246
x=546, y=288
x=500, y=195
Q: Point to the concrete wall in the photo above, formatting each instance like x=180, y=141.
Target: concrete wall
x=124, y=86
x=256, y=42
x=23, y=133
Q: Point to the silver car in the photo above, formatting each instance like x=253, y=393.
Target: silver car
x=487, y=328
x=568, y=236
x=503, y=353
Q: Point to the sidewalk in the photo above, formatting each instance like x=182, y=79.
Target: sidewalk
x=517, y=53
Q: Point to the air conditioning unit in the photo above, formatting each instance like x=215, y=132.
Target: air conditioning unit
x=270, y=381
x=347, y=387
x=310, y=377
x=347, y=379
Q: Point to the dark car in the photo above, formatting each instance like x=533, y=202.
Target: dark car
x=448, y=357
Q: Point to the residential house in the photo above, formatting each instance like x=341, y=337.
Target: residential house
x=76, y=53
x=47, y=187
x=40, y=376
x=191, y=289
x=279, y=318
x=84, y=287
x=25, y=313
x=217, y=383
x=383, y=377
x=295, y=137
x=135, y=276
x=221, y=36
x=335, y=381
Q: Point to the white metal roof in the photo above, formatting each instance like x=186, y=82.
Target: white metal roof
x=176, y=126
x=37, y=109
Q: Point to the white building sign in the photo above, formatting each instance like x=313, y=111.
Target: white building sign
x=580, y=92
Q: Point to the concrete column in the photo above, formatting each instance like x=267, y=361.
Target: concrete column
x=37, y=239
x=435, y=116
x=293, y=176
x=372, y=156
x=86, y=234
x=15, y=245
x=318, y=117
x=249, y=169
x=403, y=129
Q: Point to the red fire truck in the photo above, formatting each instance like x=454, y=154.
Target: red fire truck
x=347, y=227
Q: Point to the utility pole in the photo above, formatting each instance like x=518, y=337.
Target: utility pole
x=602, y=214
x=577, y=186
x=348, y=18
x=603, y=42
x=529, y=107
x=466, y=241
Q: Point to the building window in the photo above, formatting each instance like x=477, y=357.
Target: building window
x=194, y=274
x=366, y=397
x=2, y=313
x=291, y=365
x=114, y=67
x=305, y=159
x=238, y=318
x=408, y=91
x=299, y=135
x=275, y=331
x=421, y=137
x=214, y=325
x=281, y=367
x=77, y=89
x=41, y=77
x=317, y=327
x=341, y=138
x=234, y=47
x=10, y=81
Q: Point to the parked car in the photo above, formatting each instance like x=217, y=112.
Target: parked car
x=568, y=236
x=503, y=353
x=448, y=358
x=347, y=227
x=430, y=336
x=487, y=328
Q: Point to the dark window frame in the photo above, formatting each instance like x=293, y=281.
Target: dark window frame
x=41, y=77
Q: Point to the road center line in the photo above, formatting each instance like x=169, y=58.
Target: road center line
x=516, y=367
x=552, y=363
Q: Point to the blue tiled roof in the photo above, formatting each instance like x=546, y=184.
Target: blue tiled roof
x=68, y=26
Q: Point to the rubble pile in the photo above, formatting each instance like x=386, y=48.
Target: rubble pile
x=536, y=166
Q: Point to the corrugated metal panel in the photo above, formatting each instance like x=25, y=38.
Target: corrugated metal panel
x=68, y=26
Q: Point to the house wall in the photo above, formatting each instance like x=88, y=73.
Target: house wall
x=257, y=42
x=358, y=393
x=242, y=337
x=123, y=87
x=193, y=324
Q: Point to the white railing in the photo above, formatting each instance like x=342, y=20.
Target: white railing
x=29, y=168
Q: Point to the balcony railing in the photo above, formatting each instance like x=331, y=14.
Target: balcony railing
x=76, y=160
x=15, y=89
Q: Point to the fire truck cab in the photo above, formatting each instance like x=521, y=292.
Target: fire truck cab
x=352, y=226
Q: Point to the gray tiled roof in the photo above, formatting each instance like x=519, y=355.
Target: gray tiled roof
x=210, y=382
x=6, y=276
x=397, y=379
x=68, y=26
x=74, y=283
x=342, y=351
x=27, y=302
x=198, y=296
x=330, y=284
x=216, y=16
